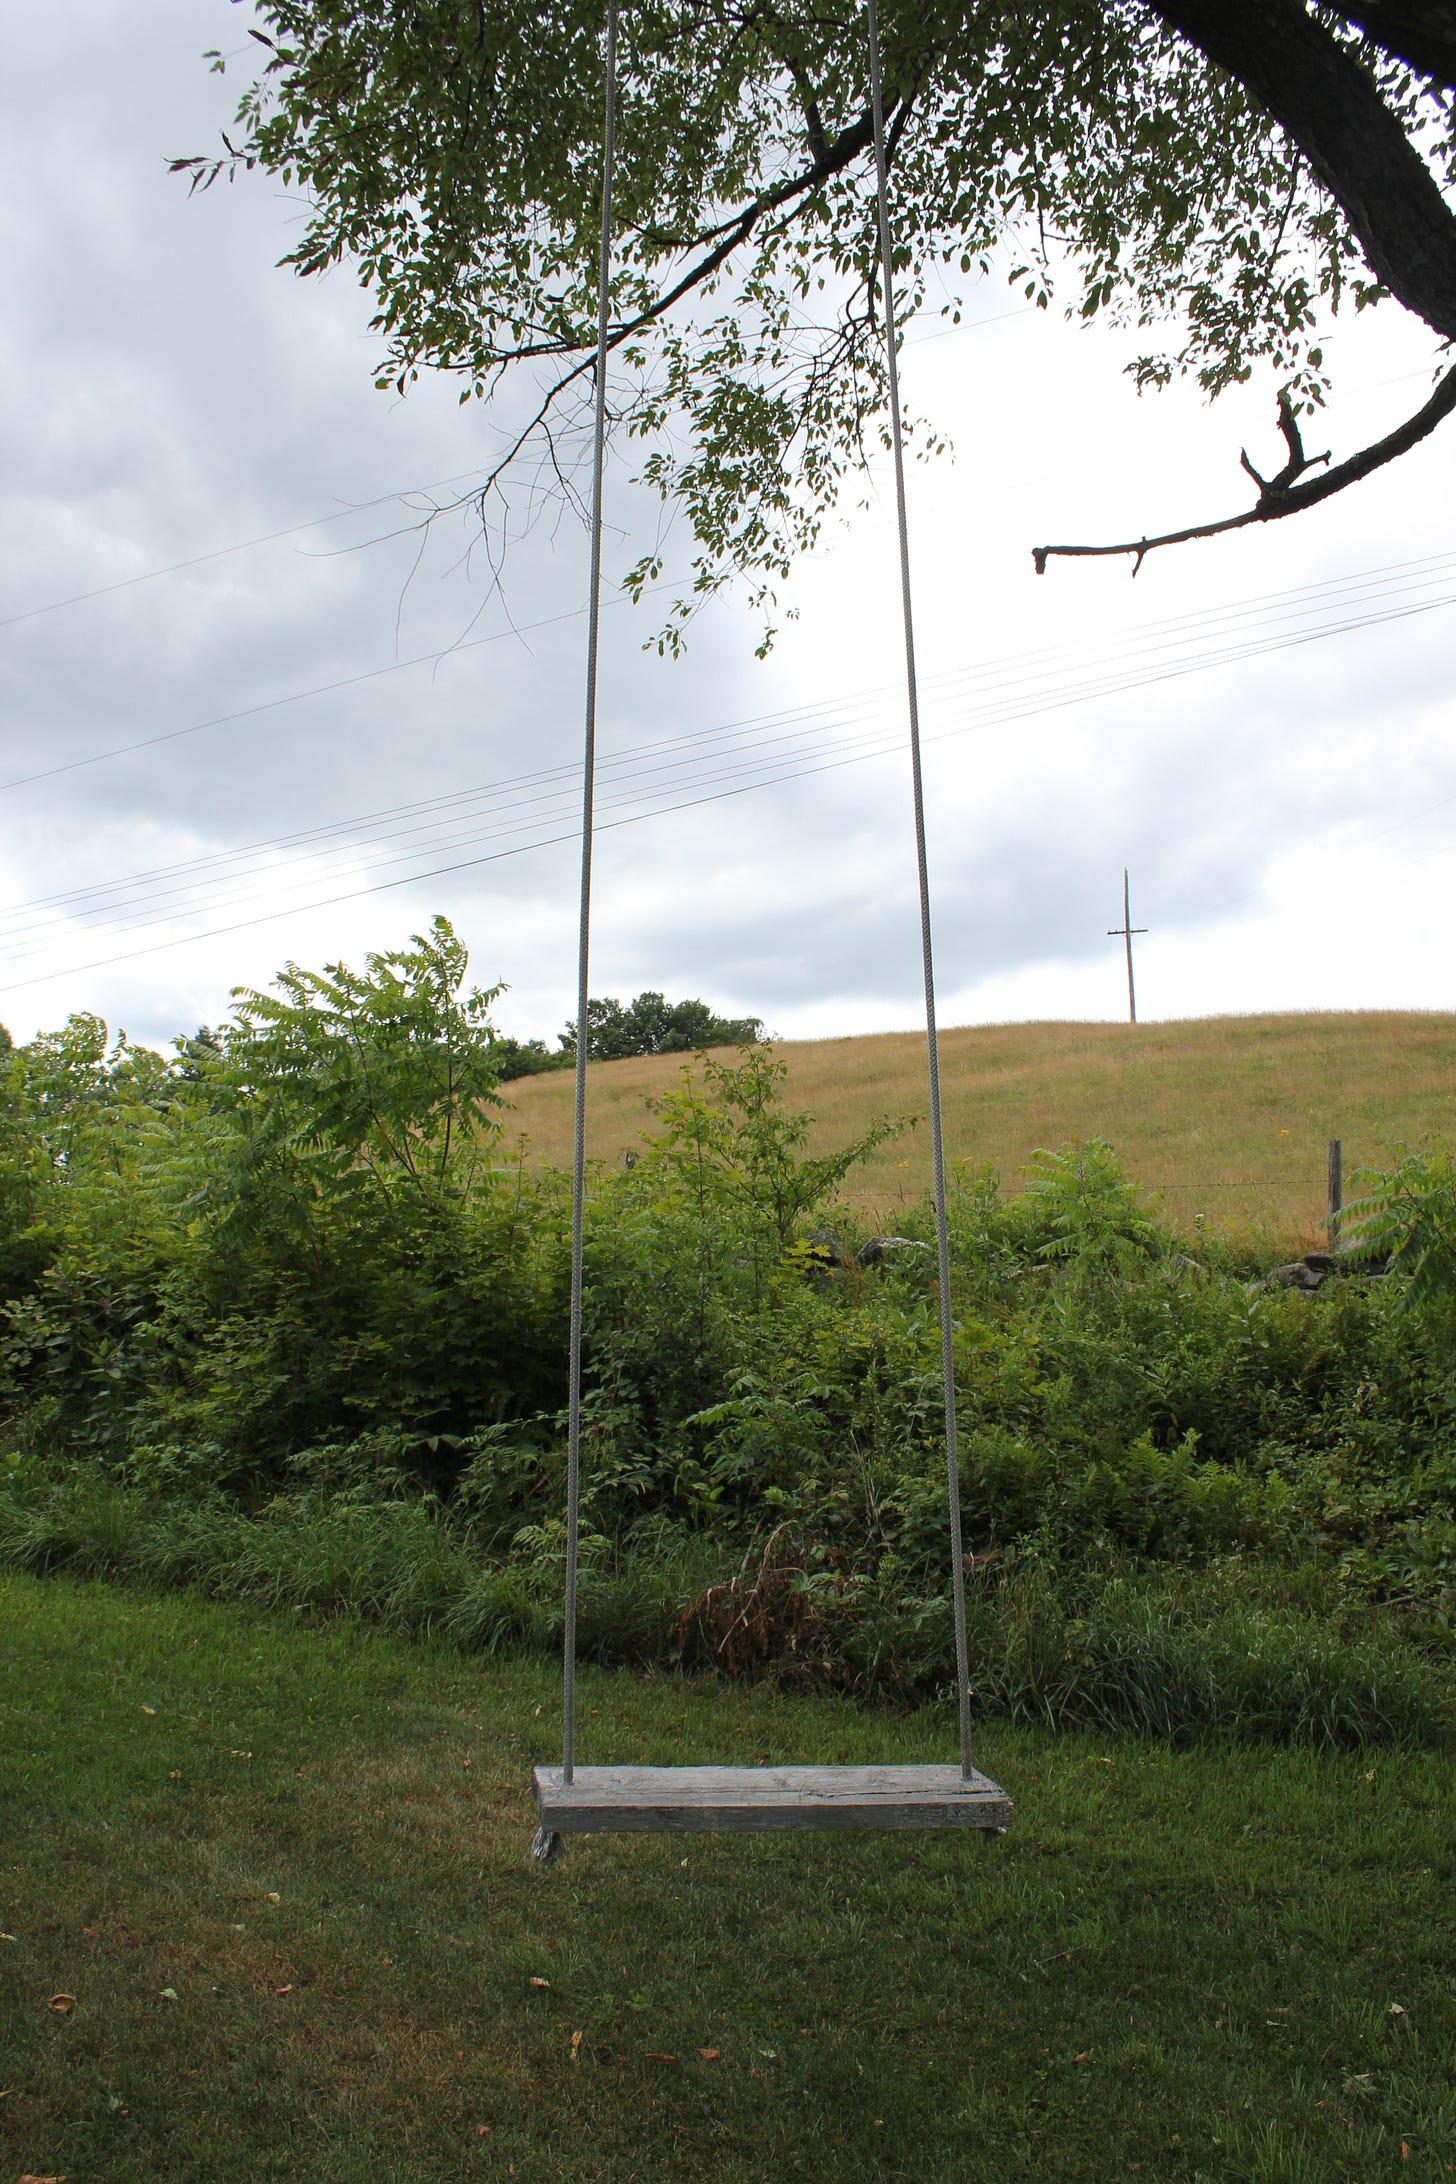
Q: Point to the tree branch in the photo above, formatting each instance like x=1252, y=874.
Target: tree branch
x=1331, y=110
x=1283, y=495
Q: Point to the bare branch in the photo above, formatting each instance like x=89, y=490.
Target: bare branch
x=1283, y=495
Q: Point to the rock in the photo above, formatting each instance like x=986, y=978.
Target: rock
x=1317, y=1267
x=824, y=1248
x=1297, y=1274
x=876, y=1249
x=1355, y=1256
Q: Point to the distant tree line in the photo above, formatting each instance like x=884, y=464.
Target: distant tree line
x=649, y=1025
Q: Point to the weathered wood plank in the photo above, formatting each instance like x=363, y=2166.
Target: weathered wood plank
x=657, y=1800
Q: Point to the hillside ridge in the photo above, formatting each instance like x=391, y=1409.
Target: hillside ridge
x=1224, y=1117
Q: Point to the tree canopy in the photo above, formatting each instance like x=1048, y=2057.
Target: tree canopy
x=649, y=1025
x=1216, y=177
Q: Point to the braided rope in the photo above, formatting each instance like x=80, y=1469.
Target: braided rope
x=588, y=791
x=578, y=1193
x=937, y=1147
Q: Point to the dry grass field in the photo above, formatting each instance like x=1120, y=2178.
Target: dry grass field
x=1226, y=1116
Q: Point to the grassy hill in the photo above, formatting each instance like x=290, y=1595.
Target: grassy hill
x=1223, y=1116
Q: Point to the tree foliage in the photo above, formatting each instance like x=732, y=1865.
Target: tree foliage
x=1215, y=176
x=649, y=1025
x=653, y=1025
x=298, y=1258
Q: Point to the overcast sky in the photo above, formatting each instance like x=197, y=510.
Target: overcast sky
x=1288, y=814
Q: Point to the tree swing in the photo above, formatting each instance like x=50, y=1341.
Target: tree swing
x=574, y=1800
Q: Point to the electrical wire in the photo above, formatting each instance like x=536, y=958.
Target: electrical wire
x=221, y=553
x=420, y=818
x=783, y=759
x=402, y=494
x=791, y=768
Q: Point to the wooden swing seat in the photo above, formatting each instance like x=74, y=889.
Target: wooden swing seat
x=741, y=1800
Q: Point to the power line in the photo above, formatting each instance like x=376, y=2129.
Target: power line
x=379, y=500
x=431, y=815
x=1201, y=617
x=461, y=477
x=239, y=546
x=297, y=697
x=1034, y=706
x=424, y=814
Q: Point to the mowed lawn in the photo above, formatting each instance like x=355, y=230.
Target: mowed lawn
x=267, y=1913
x=1227, y=1116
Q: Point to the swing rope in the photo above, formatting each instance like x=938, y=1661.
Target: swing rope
x=578, y=1182
x=912, y=692
x=588, y=791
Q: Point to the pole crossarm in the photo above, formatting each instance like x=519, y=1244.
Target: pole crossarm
x=1125, y=933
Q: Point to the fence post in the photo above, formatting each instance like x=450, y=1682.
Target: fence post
x=1335, y=1195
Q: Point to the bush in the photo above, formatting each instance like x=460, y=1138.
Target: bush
x=286, y=1317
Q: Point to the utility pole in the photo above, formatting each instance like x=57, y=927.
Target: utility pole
x=1124, y=932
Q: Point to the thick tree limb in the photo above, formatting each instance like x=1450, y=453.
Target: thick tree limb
x=1422, y=33
x=1283, y=495
x=1330, y=109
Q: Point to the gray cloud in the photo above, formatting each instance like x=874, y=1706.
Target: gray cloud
x=171, y=392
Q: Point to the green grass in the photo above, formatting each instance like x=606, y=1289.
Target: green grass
x=1233, y=1648
x=1225, y=1116
x=1176, y=1965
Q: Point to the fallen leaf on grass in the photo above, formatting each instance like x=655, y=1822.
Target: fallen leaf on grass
x=1085, y=2056
x=168, y=1994
x=482, y=2130
x=1399, y=2017
x=536, y=1980
x=273, y=1896
x=149, y=1710
x=9, y=1937
x=576, y=2047
x=1362, y=2082
x=62, y=2004
x=652, y=2056
x=709, y=2055
x=29, y=2179
x=284, y=1990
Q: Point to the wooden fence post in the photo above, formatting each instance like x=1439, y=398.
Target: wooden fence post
x=1335, y=1196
